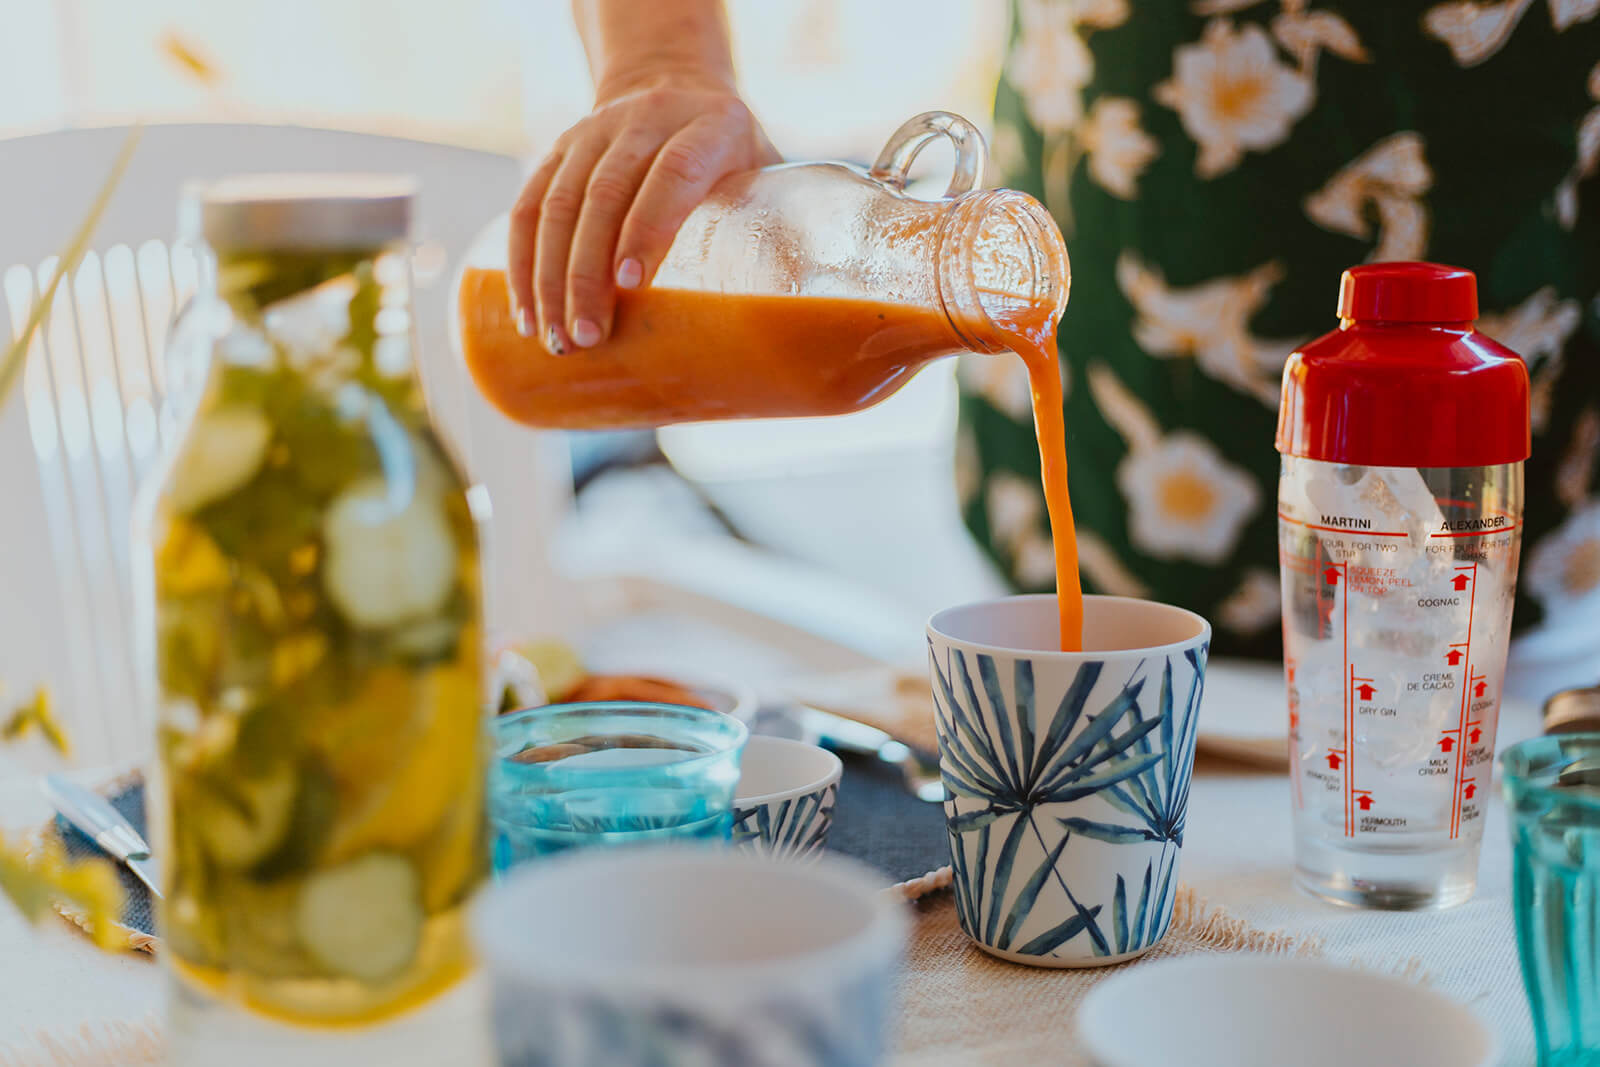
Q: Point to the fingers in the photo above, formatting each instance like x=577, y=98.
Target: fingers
x=524, y=231
x=558, y=218
x=591, y=291
x=680, y=176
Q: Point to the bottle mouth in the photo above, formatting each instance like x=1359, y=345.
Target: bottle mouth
x=1004, y=275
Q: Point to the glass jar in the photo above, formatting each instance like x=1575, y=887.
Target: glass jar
x=313, y=630
x=799, y=289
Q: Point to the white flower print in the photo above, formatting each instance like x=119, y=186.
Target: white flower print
x=1100, y=564
x=1101, y=14
x=1537, y=330
x=1210, y=322
x=1017, y=526
x=1050, y=65
x=1587, y=163
x=1564, y=568
x=1118, y=149
x=1388, y=181
x=1256, y=603
x=1304, y=34
x=1575, y=472
x=969, y=469
x=1232, y=93
x=1184, y=499
x=1001, y=380
x=1474, y=30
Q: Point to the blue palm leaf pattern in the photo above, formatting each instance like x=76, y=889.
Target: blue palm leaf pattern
x=795, y=827
x=1140, y=763
x=1159, y=796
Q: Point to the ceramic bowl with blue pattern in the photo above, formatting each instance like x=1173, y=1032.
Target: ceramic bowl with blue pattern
x=685, y=955
x=1067, y=772
x=783, y=805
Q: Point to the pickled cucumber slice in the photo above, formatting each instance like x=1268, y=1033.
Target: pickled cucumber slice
x=362, y=918
x=242, y=821
x=224, y=450
x=391, y=558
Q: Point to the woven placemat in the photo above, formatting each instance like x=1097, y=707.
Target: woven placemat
x=137, y=922
x=960, y=1006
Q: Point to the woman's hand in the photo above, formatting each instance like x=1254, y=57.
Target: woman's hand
x=603, y=207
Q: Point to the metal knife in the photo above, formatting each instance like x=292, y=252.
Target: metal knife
x=105, y=826
x=836, y=731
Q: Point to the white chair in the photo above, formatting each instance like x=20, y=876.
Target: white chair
x=88, y=426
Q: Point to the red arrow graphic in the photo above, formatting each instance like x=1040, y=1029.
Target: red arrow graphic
x=1365, y=691
x=1331, y=575
x=1475, y=735
x=1478, y=689
x=1460, y=582
x=1447, y=743
x=1333, y=761
x=1365, y=800
x=1453, y=657
x=1469, y=790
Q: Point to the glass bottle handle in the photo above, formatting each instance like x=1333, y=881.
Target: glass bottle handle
x=917, y=133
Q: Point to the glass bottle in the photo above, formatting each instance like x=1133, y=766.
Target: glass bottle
x=799, y=289
x=313, y=632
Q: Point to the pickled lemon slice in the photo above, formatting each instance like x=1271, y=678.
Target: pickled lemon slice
x=389, y=560
x=426, y=771
x=559, y=666
x=242, y=820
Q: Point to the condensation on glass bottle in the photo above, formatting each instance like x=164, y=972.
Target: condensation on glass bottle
x=312, y=630
x=796, y=290
x=1403, y=435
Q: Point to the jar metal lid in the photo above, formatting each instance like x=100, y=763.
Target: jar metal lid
x=298, y=211
x=1573, y=711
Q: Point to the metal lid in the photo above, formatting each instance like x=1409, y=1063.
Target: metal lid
x=1573, y=711
x=299, y=211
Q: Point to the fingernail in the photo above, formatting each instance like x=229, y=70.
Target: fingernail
x=555, y=342
x=630, y=272
x=525, y=322
x=585, y=333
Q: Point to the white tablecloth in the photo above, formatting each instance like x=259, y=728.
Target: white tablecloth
x=1238, y=855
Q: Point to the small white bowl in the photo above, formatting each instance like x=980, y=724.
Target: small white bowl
x=1262, y=1011
x=783, y=804
x=690, y=955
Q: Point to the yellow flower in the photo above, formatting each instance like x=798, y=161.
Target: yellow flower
x=1050, y=64
x=1232, y=93
x=37, y=714
x=1209, y=322
x=1389, y=181
x=1564, y=569
x=1119, y=150
x=1185, y=500
x=1255, y=604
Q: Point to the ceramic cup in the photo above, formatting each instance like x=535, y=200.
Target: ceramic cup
x=1068, y=772
x=783, y=805
x=690, y=956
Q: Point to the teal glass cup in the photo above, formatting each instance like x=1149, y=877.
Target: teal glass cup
x=611, y=773
x=1552, y=789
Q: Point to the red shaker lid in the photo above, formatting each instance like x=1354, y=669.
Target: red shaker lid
x=1406, y=381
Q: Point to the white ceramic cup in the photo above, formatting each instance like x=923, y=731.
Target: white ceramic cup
x=783, y=804
x=1067, y=772
x=690, y=955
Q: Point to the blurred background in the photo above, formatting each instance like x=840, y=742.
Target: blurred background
x=849, y=526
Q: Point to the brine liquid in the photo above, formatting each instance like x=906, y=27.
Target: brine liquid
x=669, y=356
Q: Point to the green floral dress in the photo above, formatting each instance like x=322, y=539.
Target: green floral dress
x=1214, y=166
